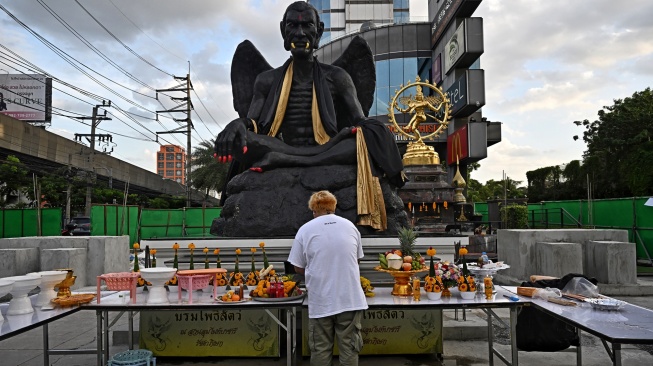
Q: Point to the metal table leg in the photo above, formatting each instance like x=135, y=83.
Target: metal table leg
x=490, y=337
x=106, y=335
x=513, y=336
x=46, y=345
x=99, y=337
x=579, y=349
x=616, y=354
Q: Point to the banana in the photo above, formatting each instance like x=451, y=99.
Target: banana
x=383, y=261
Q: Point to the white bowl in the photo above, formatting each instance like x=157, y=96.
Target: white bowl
x=468, y=295
x=5, y=288
x=48, y=280
x=157, y=276
x=434, y=295
x=20, y=303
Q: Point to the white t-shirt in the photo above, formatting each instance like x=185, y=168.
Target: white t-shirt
x=328, y=248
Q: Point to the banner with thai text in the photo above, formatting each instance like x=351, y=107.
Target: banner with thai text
x=201, y=333
x=390, y=331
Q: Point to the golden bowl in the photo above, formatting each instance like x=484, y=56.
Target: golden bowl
x=402, y=286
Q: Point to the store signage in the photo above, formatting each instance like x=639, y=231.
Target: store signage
x=27, y=97
x=465, y=46
x=454, y=49
x=221, y=332
x=467, y=94
x=457, y=146
x=437, y=69
x=449, y=10
x=467, y=144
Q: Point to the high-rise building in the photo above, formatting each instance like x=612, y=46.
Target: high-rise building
x=342, y=17
x=171, y=163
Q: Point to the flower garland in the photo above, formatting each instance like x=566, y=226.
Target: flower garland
x=465, y=281
x=432, y=283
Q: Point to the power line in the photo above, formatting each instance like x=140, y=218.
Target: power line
x=119, y=41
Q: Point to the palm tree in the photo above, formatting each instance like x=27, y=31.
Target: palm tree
x=207, y=174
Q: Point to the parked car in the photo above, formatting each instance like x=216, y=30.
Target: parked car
x=78, y=226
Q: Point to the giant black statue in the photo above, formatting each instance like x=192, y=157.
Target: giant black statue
x=301, y=129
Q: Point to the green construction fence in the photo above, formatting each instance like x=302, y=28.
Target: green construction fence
x=20, y=222
x=618, y=213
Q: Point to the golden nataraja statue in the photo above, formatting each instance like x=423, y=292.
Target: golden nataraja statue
x=418, y=153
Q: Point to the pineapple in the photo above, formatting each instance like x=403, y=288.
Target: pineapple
x=407, y=239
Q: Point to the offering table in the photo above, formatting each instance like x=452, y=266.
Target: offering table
x=204, y=309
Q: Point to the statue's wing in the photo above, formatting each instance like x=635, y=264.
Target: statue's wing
x=435, y=101
x=245, y=67
x=406, y=100
x=357, y=59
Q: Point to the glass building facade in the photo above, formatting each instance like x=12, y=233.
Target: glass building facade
x=401, y=52
x=342, y=17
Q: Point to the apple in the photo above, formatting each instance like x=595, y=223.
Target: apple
x=407, y=266
x=421, y=260
x=408, y=259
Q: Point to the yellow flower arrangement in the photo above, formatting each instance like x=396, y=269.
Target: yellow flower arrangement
x=206, y=257
x=462, y=251
x=433, y=284
x=266, y=264
x=191, y=246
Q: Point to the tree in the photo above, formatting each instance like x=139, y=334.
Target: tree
x=208, y=174
x=619, y=147
x=13, y=177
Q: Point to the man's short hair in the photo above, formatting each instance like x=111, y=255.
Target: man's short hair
x=322, y=201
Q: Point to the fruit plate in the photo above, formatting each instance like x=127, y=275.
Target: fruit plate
x=219, y=299
x=400, y=272
x=279, y=299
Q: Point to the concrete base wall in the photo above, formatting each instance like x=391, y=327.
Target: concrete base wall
x=558, y=259
x=611, y=262
x=519, y=248
x=64, y=258
x=88, y=256
x=18, y=261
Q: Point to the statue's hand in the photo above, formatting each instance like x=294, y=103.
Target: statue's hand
x=233, y=136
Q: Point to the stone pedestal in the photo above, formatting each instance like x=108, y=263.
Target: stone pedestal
x=19, y=261
x=519, y=248
x=275, y=203
x=106, y=254
x=427, y=190
x=61, y=258
x=611, y=262
x=558, y=259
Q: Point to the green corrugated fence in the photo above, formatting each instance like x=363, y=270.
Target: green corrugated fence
x=19, y=222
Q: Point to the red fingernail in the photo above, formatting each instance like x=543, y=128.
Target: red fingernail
x=223, y=159
x=244, y=149
x=256, y=169
x=353, y=130
x=229, y=158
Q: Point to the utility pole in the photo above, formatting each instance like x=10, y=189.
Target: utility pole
x=95, y=121
x=188, y=104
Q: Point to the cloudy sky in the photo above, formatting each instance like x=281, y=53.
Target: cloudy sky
x=547, y=64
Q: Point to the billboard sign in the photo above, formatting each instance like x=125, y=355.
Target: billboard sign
x=27, y=97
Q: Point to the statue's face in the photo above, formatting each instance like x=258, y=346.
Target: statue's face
x=301, y=33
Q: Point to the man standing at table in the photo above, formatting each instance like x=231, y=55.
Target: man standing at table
x=327, y=250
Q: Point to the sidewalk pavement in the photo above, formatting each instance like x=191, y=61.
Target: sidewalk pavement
x=78, y=331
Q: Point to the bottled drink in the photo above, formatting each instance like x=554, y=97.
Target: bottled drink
x=416, y=290
x=487, y=283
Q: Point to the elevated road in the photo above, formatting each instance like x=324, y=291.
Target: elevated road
x=41, y=151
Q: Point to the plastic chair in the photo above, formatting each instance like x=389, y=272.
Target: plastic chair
x=135, y=357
